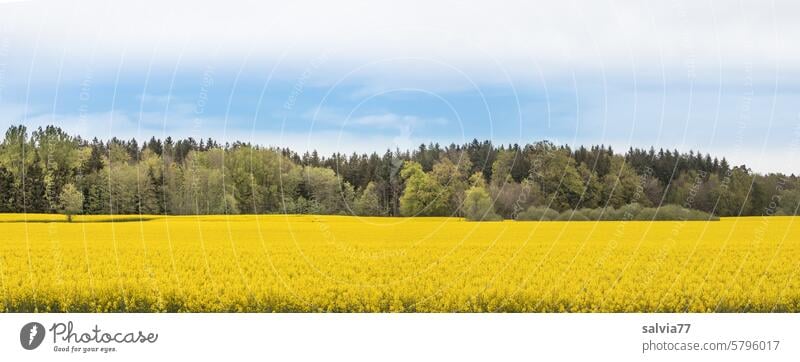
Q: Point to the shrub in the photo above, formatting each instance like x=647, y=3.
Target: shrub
x=591, y=214
x=71, y=201
x=701, y=215
x=569, y=215
x=673, y=212
x=538, y=213
x=609, y=213
x=647, y=214
x=587, y=213
x=478, y=206
x=626, y=212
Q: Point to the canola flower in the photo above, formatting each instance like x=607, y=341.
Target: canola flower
x=305, y=263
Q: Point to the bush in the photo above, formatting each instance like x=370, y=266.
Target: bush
x=647, y=214
x=538, y=213
x=701, y=215
x=673, y=212
x=478, y=206
x=569, y=215
x=609, y=214
x=626, y=212
x=629, y=211
x=591, y=214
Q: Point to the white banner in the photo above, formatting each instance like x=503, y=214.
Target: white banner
x=399, y=337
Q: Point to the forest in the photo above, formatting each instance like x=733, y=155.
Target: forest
x=47, y=170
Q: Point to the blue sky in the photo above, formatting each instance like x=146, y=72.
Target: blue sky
x=366, y=76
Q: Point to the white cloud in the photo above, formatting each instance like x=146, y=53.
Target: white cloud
x=391, y=120
x=521, y=37
x=377, y=120
x=105, y=125
x=381, y=46
x=157, y=99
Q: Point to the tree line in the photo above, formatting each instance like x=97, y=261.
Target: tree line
x=49, y=171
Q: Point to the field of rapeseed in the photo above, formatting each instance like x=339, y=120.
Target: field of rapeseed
x=349, y=264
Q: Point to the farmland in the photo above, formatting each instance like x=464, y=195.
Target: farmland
x=307, y=263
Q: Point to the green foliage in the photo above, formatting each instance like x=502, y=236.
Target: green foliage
x=673, y=212
x=34, y=189
x=538, y=213
x=423, y=196
x=788, y=202
x=369, y=202
x=71, y=201
x=186, y=177
x=572, y=215
x=512, y=197
x=503, y=166
x=619, y=185
x=452, y=179
x=628, y=212
x=478, y=205
x=591, y=214
x=7, y=188
x=554, y=171
x=330, y=194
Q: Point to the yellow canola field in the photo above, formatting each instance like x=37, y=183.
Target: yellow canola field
x=351, y=264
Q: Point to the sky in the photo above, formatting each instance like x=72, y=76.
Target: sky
x=722, y=77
